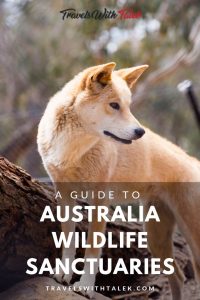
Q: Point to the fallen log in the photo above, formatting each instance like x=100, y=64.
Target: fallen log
x=22, y=200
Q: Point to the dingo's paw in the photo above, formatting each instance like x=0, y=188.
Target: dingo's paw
x=66, y=278
x=85, y=287
x=62, y=278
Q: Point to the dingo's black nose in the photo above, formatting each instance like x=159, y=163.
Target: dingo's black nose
x=139, y=132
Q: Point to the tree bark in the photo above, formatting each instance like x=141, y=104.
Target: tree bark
x=22, y=235
x=22, y=201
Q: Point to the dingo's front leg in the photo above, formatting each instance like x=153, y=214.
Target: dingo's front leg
x=67, y=253
x=87, y=279
x=66, y=227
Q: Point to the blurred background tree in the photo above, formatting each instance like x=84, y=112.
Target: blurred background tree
x=40, y=52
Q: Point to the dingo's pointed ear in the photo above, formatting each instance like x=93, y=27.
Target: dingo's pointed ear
x=100, y=74
x=131, y=75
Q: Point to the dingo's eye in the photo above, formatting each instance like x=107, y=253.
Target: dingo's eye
x=115, y=105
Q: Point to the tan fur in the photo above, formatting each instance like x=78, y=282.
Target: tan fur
x=73, y=147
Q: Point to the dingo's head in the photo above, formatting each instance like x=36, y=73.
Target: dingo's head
x=103, y=105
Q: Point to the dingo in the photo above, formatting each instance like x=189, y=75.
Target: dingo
x=88, y=133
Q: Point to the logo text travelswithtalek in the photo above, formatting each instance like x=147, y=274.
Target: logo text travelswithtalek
x=124, y=13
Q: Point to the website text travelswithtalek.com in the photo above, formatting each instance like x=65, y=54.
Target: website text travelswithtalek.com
x=79, y=240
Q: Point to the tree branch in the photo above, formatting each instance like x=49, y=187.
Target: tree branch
x=183, y=58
